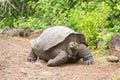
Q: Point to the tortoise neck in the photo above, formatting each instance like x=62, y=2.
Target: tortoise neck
x=72, y=53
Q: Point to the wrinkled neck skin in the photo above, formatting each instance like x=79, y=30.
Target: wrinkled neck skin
x=72, y=53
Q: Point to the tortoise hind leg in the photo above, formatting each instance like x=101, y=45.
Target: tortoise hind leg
x=32, y=57
x=58, y=60
x=85, y=54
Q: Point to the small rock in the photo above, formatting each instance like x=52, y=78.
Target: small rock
x=112, y=59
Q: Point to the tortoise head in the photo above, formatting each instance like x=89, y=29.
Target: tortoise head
x=72, y=49
x=73, y=46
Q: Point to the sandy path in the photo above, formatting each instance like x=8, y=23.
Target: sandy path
x=13, y=65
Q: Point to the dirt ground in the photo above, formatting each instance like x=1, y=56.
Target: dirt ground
x=13, y=65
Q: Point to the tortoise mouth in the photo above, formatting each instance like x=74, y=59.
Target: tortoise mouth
x=73, y=48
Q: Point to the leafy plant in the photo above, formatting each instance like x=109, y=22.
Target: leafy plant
x=90, y=22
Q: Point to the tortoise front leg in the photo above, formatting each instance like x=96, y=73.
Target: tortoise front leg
x=85, y=54
x=58, y=60
x=32, y=57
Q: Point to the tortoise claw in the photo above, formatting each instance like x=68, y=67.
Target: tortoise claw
x=31, y=59
x=88, y=62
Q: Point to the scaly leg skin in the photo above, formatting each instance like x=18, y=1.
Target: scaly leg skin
x=61, y=58
x=85, y=54
x=32, y=57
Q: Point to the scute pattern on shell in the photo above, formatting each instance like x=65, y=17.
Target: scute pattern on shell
x=51, y=37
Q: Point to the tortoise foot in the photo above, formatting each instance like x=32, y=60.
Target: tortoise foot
x=31, y=59
x=88, y=61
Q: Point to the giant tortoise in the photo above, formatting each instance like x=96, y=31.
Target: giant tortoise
x=59, y=45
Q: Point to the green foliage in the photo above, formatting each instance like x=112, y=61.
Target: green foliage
x=11, y=10
x=97, y=19
x=90, y=22
x=31, y=22
x=114, y=18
